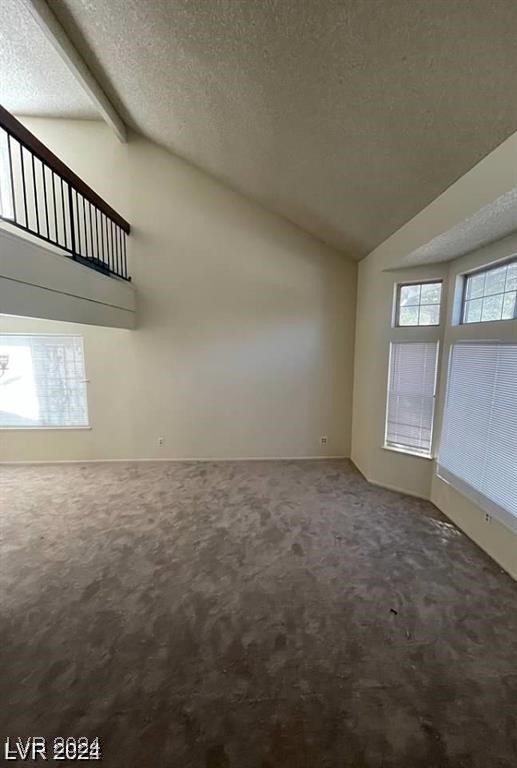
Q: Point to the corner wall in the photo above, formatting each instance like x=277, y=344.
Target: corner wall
x=245, y=325
x=390, y=263
x=375, y=295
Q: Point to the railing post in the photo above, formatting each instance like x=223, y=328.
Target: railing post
x=71, y=210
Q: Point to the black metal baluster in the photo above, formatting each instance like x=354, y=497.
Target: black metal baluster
x=119, y=248
x=85, y=229
x=97, y=233
x=56, y=236
x=24, y=188
x=35, y=194
x=72, y=227
x=124, y=269
x=114, y=241
x=114, y=246
x=113, y=255
x=102, y=241
x=110, y=235
x=45, y=196
x=11, y=174
x=108, y=249
x=78, y=222
x=91, y=229
x=65, y=233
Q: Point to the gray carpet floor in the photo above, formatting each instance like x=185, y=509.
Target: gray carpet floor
x=250, y=615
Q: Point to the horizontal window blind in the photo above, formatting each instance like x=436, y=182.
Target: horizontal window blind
x=411, y=396
x=42, y=381
x=478, y=446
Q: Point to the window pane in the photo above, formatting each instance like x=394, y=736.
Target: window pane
x=509, y=305
x=495, y=281
x=408, y=316
x=492, y=307
x=431, y=293
x=419, y=304
x=409, y=294
x=511, y=277
x=496, y=289
x=473, y=311
x=475, y=286
x=429, y=315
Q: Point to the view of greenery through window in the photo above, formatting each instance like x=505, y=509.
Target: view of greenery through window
x=419, y=304
x=491, y=294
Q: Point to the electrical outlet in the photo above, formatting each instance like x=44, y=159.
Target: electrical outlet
x=160, y=441
x=323, y=440
x=488, y=518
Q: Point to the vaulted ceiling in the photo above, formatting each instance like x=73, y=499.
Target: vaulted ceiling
x=346, y=117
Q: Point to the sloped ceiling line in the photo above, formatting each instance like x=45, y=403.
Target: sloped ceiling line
x=48, y=23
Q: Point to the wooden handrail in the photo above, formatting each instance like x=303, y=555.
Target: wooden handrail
x=34, y=145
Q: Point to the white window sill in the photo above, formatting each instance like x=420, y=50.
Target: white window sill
x=40, y=429
x=408, y=452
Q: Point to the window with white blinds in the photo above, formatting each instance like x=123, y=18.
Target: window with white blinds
x=478, y=447
x=42, y=381
x=411, y=396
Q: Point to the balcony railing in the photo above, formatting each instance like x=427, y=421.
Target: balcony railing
x=41, y=195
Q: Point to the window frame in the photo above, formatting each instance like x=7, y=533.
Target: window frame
x=409, y=333
x=479, y=271
x=407, y=283
x=86, y=381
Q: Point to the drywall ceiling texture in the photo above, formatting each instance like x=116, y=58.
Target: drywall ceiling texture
x=492, y=222
x=34, y=79
x=345, y=117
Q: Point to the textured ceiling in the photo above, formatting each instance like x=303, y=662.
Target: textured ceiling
x=345, y=117
x=492, y=222
x=34, y=80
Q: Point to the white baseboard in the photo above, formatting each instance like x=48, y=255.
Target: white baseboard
x=397, y=489
x=390, y=487
x=172, y=460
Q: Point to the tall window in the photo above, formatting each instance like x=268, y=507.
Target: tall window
x=491, y=294
x=42, y=381
x=411, y=396
x=413, y=362
x=478, y=447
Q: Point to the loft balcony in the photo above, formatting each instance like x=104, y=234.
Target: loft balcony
x=59, y=236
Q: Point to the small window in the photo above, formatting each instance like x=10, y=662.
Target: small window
x=419, y=304
x=491, y=294
x=42, y=381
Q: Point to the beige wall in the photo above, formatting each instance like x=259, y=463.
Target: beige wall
x=245, y=325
